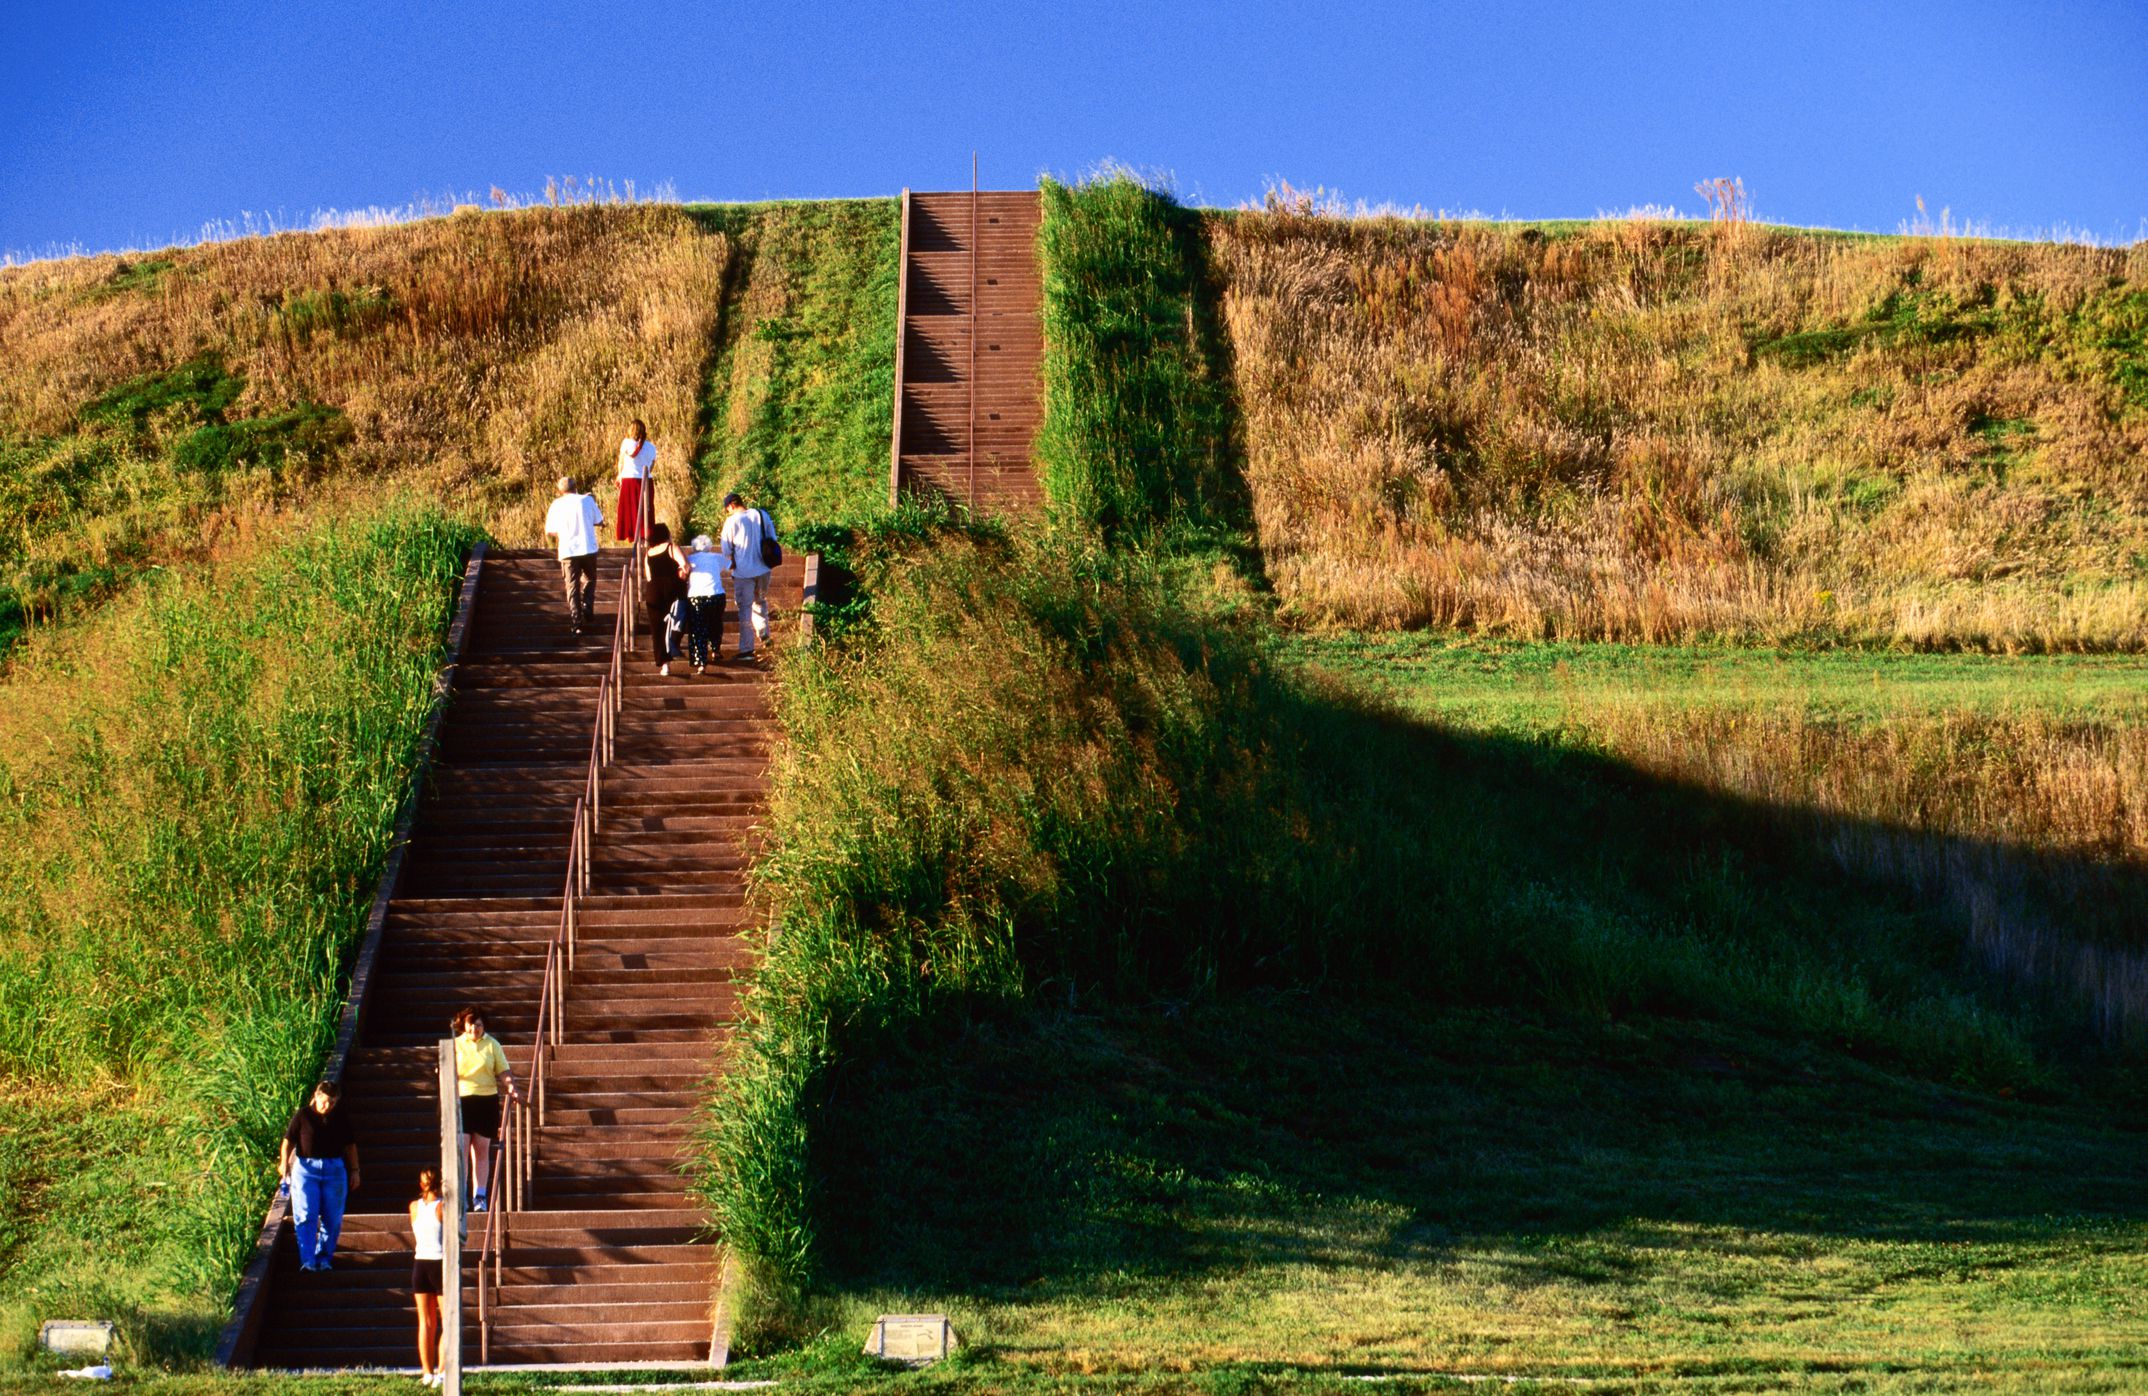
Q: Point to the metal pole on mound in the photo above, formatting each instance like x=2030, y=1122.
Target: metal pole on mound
x=452, y=1193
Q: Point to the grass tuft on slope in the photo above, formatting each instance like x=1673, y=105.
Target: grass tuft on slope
x=1137, y=432
x=798, y=403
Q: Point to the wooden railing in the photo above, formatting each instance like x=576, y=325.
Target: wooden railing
x=523, y=1118
x=902, y=333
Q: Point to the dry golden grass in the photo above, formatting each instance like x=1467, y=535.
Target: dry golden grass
x=476, y=356
x=1648, y=430
x=2030, y=828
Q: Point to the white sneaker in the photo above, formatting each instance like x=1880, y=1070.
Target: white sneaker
x=664, y=669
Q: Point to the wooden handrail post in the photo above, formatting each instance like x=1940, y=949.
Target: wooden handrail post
x=452, y=1194
x=975, y=233
x=902, y=325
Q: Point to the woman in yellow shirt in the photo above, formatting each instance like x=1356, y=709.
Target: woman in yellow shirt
x=481, y=1071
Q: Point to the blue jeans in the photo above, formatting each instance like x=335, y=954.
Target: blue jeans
x=318, y=1188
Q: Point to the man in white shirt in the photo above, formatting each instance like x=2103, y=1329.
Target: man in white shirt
x=573, y=520
x=743, y=531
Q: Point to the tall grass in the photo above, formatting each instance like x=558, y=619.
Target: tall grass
x=800, y=397
x=1137, y=429
x=1135, y=803
x=1644, y=430
x=198, y=793
x=939, y=864
x=2031, y=830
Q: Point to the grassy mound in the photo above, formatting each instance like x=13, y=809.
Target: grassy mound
x=200, y=786
x=1150, y=987
x=1648, y=431
x=155, y=411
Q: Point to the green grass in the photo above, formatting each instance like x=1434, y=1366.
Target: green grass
x=1328, y=1181
x=199, y=789
x=147, y=461
x=798, y=407
x=1522, y=686
x=1137, y=431
x=1138, y=807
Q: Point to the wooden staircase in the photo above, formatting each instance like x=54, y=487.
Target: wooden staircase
x=968, y=362
x=611, y=1262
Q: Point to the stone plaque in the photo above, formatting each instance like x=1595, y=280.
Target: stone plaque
x=911, y=1338
x=75, y=1338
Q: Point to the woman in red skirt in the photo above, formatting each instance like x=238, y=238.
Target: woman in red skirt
x=637, y=478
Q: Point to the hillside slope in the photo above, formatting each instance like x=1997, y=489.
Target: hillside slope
x=156, y=409
x=244, y=476
x=1641, y=430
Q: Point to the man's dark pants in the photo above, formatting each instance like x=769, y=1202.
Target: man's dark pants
x=580, y=577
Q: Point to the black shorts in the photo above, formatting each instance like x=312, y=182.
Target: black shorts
x=481, y=1116
x=425, y=1277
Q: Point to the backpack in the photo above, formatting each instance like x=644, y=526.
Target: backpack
x=771, y=550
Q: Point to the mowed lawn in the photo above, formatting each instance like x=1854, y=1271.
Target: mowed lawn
x=1321, y=1184
x=1298, y=1192
x=1506, y=685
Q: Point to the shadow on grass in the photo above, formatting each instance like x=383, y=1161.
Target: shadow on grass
x=1064, y=1153
x=1608, y=1010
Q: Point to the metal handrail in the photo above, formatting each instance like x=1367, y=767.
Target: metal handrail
x=524, y=1117
x=495, y=1237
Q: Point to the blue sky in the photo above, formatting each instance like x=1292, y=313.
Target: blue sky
x=136, y=124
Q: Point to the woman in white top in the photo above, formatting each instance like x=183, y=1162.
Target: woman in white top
x=637, y=481
x=704, y=603
x=428, y=1215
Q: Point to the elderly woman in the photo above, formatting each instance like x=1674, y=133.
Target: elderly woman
x=704, y=603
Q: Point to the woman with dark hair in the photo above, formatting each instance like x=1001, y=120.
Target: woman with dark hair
x=319, y=1160
x=481, y=1071
x=637, y=481
x=664, y=587
x=428, y=1220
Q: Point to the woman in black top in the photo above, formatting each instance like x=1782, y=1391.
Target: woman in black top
x=319, y=1160
x=666, y=587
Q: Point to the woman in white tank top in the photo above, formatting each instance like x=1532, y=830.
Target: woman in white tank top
x=428, y=1215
